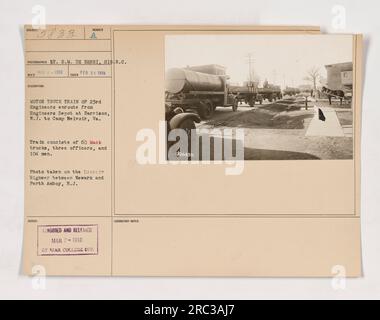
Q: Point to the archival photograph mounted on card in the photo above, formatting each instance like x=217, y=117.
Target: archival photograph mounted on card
x=291, y=96
x=192, y=151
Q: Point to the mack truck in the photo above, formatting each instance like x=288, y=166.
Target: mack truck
x=200, y=89
x=270, y=91
x=290, y=91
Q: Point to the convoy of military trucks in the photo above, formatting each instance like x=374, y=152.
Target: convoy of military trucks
x=193, y=93
x=201, y=89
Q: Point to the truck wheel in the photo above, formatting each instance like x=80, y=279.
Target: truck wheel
x=206, y=110
x=187, y=125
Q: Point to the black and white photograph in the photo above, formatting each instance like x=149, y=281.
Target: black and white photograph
x=194, y=159
x=292, y=94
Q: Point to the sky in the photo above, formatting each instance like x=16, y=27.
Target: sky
x=283, y=60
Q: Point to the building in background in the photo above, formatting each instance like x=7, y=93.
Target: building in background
x=339, y=76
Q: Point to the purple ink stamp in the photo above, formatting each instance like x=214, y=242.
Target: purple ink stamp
x=68, y=240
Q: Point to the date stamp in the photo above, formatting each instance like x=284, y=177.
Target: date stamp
x=67, y=240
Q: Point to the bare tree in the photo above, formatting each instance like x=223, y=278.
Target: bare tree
x=313, y=75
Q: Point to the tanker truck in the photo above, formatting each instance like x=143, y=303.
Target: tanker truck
x=290, y=91
x=200, y=89
x=249, y=93
x=270, y=91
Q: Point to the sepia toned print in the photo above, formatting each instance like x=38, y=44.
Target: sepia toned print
x=292, y=94
x=101, y=198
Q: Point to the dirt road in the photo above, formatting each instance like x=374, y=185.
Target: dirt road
x=277, y=132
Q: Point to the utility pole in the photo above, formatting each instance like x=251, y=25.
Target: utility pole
x=250, y=61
